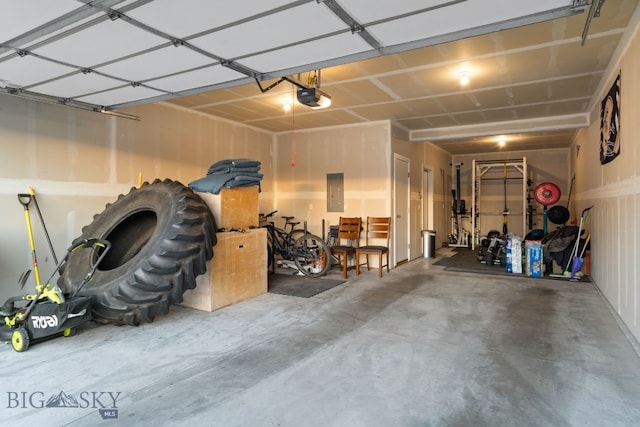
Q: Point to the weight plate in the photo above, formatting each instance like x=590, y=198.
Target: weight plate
x=547, y=193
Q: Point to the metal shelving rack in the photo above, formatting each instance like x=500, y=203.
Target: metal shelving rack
x=479, y=169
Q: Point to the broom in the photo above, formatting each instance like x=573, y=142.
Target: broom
x=578, y=261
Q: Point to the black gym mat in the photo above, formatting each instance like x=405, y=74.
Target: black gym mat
x=300, y=286
x=466, y=260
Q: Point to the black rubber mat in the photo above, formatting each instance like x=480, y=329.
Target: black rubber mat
x=300, y=286
x=466, y=260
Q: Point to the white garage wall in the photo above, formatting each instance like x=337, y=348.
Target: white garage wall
x=78, y=161
x=364, y=153
x=361, y=152
x=425, y=155
x=614, y=191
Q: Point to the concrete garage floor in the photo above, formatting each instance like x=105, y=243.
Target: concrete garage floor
x=419, y=347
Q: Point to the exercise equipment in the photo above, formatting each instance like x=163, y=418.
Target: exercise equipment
x=547, y=194
x=459, y=238
x=495, y=252
x=558, y=214
x=516, y=170
x=505, y=211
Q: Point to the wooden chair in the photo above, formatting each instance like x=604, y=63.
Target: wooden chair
x=378, y=231
x=349, y=230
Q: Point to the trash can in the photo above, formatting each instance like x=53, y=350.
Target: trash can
x=429, y=243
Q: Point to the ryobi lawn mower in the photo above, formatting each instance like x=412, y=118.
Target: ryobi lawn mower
x=49, y=311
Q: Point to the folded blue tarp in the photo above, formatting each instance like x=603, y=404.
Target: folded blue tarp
x=247, y=165
x=230, y=173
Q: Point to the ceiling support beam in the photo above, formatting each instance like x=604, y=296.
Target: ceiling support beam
x=573, y=121
x=356, y=27
x=52, y=100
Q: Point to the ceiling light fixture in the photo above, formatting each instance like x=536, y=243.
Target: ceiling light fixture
x=502, y=141
x=464, y=77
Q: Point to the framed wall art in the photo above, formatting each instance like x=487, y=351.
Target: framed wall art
x=610, y=124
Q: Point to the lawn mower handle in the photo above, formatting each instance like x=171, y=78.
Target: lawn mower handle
x=24, y=199
x=88, y=243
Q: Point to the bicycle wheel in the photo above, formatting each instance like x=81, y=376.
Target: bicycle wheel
x=296, y=234
x=311, y=255
x=270, y=255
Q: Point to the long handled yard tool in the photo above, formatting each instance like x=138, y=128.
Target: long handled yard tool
x=578, y=261
x=47, y=312
x=574, y=252
x=44, y=227
x=25, y=201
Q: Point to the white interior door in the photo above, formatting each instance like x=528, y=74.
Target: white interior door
x=400, y=223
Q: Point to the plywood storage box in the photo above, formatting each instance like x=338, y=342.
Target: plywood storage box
x=234, y=207
x=237, y=271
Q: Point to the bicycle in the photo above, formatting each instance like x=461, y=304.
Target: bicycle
x=309, y=252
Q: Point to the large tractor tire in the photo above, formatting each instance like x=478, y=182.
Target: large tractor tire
x=162, y=235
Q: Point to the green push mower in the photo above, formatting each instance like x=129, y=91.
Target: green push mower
x=49, y=311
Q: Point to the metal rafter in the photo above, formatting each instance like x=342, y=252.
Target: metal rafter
x=50, y=27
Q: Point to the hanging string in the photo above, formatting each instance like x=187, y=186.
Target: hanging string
x=293, y=127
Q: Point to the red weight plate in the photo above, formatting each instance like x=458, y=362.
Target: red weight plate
x=547, y=193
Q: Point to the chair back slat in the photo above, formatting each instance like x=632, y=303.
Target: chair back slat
x=378, y=228
x=349, y=229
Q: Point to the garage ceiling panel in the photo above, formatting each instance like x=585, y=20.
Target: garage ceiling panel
x=430, y=122
x=29, y=70
x=361, y=92
x=252, y=90
x=77, y=85
x=392, y=110
x=307, y=53
x=158, y=63
x=272, y=31
x=194, y=79
x=363, y=11
x=321, y=118
x=425, y=82
x=469, y=15
x=194, y=101
x=244, y=112
x=120, y=95
x=32, y=13
x=379, y=60
x=103, y=42
x=188, y=17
